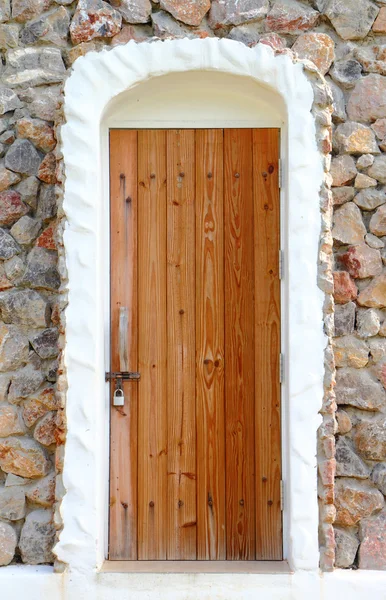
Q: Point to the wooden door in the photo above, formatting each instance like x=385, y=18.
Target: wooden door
x=195, y=308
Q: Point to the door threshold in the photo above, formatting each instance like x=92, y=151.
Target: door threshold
x=263, y=567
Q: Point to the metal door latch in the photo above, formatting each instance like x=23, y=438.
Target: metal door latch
x=122, y=376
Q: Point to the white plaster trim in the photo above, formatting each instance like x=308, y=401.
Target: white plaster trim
x=96, y=79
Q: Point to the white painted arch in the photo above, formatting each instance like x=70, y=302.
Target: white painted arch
x=103, y=91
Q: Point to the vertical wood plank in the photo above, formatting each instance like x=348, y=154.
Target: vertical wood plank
x=123, y=444
x=210, y=346
x=152, y=346
x=267, y=344
x=239, y=345
x=182, y=519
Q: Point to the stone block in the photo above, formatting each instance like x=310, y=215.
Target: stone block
x=24, y=307
x=37, y=538
x=8, y=541
x=348, y=463
x=94, y=19
x=33, y=66
x=357, y=387
x=355, y=500
x=23, y=457
x=344, y=319
x=372, y=551
x=370, y=439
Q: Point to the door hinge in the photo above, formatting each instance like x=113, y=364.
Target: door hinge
x=281, y=264
x=281, y=495
x=281, y=367
x=280, y=174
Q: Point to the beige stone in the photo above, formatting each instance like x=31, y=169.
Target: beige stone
x=343, y=170
x=344, y=422
x=11, y=422
x=355, y=138
x=349, y=351
x=348, y=225
x=190, y=12
x=42, y=491
x=355, y=500
x=45, y=430
x=374, y=295
x=378, y=221
x=370, y=439
x=367, y=102
x=317, y=47
x=363, y=181
x=8, y=541
x=23, y=457
x=38, y=132
x=380, y=22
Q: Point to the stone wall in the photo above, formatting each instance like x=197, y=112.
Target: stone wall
x=39, y=41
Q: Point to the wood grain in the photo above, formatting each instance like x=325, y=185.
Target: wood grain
x=267, y=344
x=182, y=518
x=152, y=346
x=210, y=346
x=123, y=439
x=239, y=345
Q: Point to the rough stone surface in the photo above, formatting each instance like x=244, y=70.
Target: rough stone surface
x=42, y=269
x=45, y=430
x=8, y=541
x=378, y=221
x=28, y=190
x=23, y=457
x=51, y=27
x=23, y=157
x=374, y=295
x=288, y=16
x=25, y=382
x=370, y=439
x=380, y=22
x=42, y=101
x=378, y=477
x=14, y=347
x=24, y=10
x=37, y=537
x=343, y=170
x=372, y=551
x=346, y=72
x=7, y=178
x=367, y=102
x=370, y=199
x=346, y=548
x=355, y=500
x=46, y=203
x=344, y=422
x=26, y=229
x=356, y=387
x=8, y=246
x=377, y=170
x=11, y=208
x=344, y=319
x=365, y=161
x=354, y=138
x=38, y=405
x=135, y=11
x=47, y=169
x=38, y=132
x=12, y=504
x=363, y=181
x=343, y=194
x=352, y=20
x=8, y=100
x=374, y=242
x=191, y=12
x=11, y=422
x=42, y=492
x=348, y=225
x=24, y=307
x=33, y=66
x=349, y=351
x=348, y=463
x=361, y=261
x=368, y=323
x=94, y=19
x=344, y=287
x=317, y=47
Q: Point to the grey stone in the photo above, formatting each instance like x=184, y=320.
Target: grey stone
x=356, y=387
x=236, y=12
x=365, y=161
x=24, y=457
x=133, y=11
x=378, y=477
x=51, y=27
x=14, y=268
x=343, y=194
x=346, y=548
x=339, y=103
x=7, y=178
x=373, y=241
x=368, y=323
x=348, y=463
x=8, y=246
x=33, y=66
x=247, y=34
x=28, y=190
x=369, y=199
x=45, y=343
x=11, y=422
x=344, y=318
x=8, y=100
x=25, y=382
x=343, y=170
x=288, y=16
x=352, y=20
x=165, y=26
x=346, y=72
x=14, y=480
x=24, y=307
x=14, y=347
x=378, y=169
x=23, y=157
x=377, y=349
x=9, y=36
x=42, y=101
x=47, y=206
x=26, y=229
x=5, y=10
x=37, y=538
x=8, y=541
x=5, y=381
x=41, y=271
x=12, y=504
x=24, y=10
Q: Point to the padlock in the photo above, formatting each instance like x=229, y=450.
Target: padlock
x=118, y=398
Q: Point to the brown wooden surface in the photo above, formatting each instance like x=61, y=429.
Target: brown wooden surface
x=152, y=346
x=123, y=449
x=239, y=345
x=181, y=395
x=210, y=346
x=267, y=344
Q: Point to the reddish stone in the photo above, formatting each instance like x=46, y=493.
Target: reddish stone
x=38, y=405
x=23, y=457
x=130, y=32
x=316, y=47
x=344, y=287
x=190, y=12
x=288, y=16
x=11, y=208
x=370, y=439
x=38, y=132
x=372, y=551
x=274, y=40
x=379, y=127
x=47, y=238
x=94, y=19
x=367, y=102
x=362, y=261
x=327, y=470
x=374, y=295
x=43, y=491
x=380, y=22
x=60, y=429
x=47, y=169
x=45, y=430
x=355, y=500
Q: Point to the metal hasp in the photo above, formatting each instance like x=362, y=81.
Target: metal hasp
x=123, y=376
